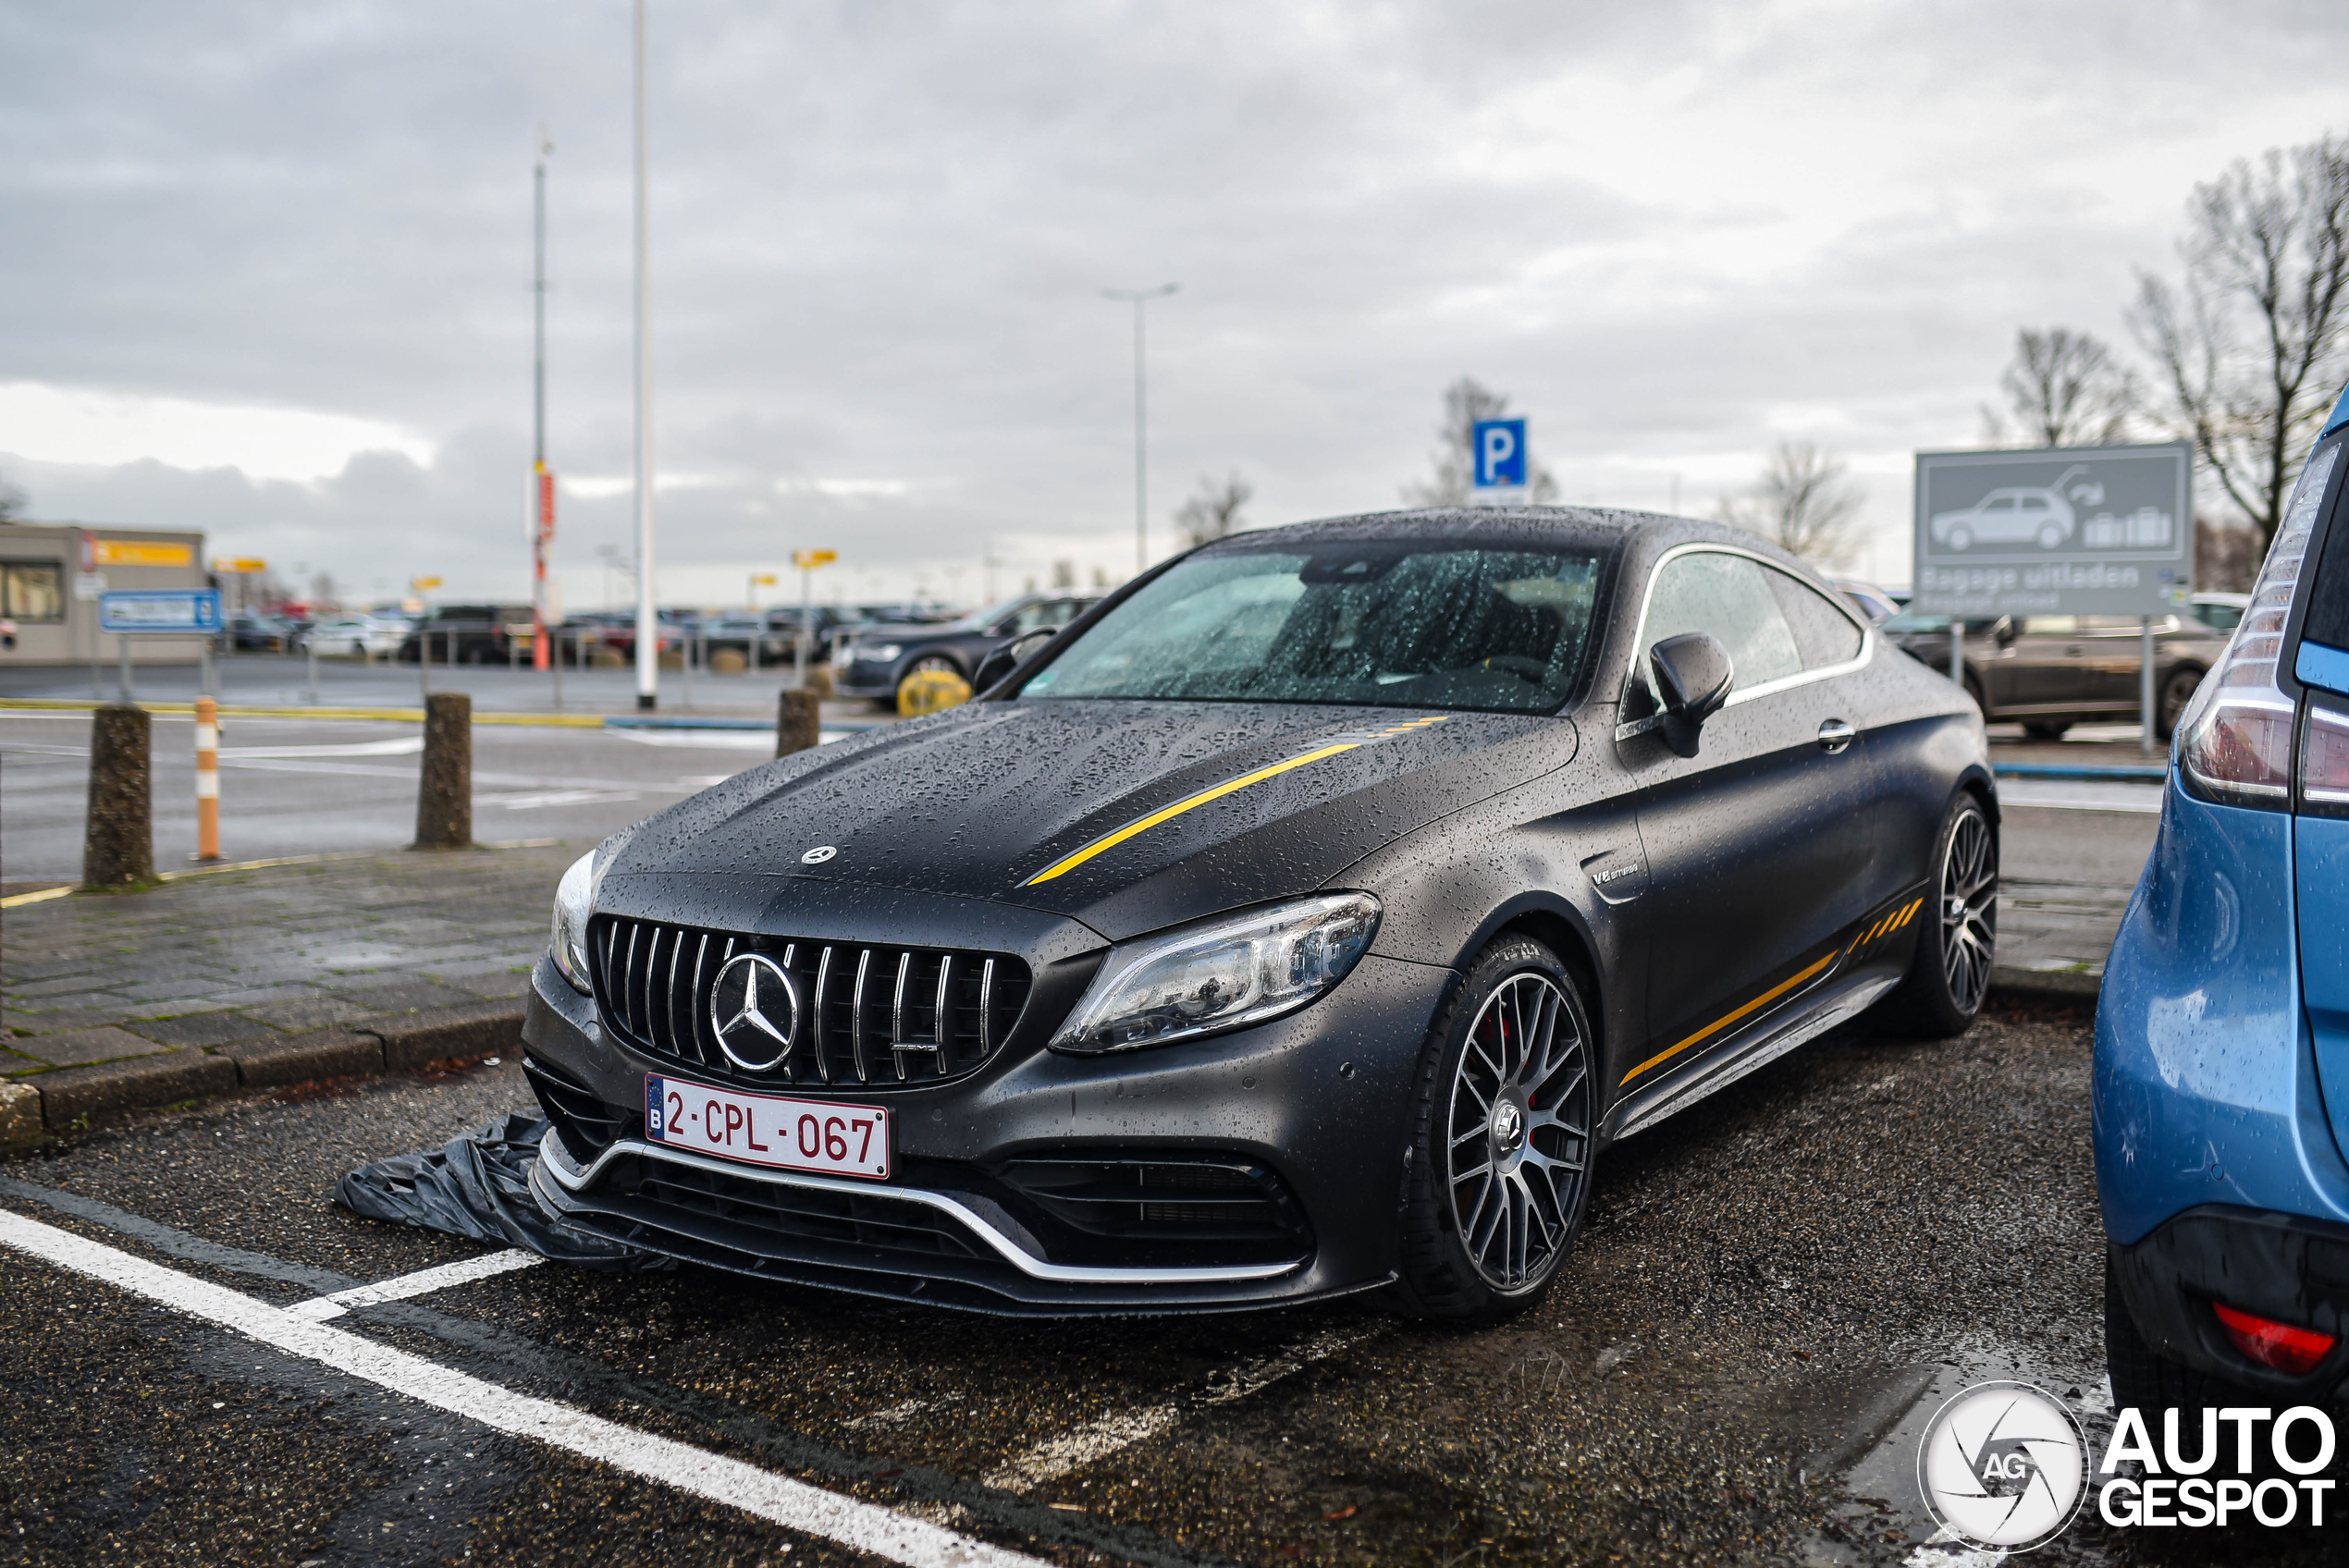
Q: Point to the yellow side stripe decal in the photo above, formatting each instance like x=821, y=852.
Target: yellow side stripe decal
x=1111, y=840
x=1773, y=993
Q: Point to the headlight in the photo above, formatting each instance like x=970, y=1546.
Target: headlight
x=1225, y=973
x=877, y=653
x=575, y=901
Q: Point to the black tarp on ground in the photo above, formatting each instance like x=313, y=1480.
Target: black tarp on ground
x=477, y=1185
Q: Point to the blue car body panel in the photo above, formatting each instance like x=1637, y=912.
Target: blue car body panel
x=2206, y=1082
x=2321, y=857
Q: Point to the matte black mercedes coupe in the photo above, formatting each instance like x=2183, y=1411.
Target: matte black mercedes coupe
x=1305, y=918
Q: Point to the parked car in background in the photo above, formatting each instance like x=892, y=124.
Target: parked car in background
x=258, y=633
x=585, y=635
x=358, y=636
x=2221, y=612
x=2222, y=1063
x=752, y=638
x=2049, y=672
x=881, y=659
x=1875, y=602
x=469, y=634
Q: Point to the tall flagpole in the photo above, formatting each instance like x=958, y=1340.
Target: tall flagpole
x=647, y=617
x=1140, y=297
x=542, y=485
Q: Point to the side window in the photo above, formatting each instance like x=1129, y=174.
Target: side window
x=1823, y=634
x=2050, y=626
x=1728, y=597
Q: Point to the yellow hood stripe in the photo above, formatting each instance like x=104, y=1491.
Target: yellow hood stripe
x=1111, y=840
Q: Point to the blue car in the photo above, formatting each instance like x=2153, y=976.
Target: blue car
x=2222, y=1037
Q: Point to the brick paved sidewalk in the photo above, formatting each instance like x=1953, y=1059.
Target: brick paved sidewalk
x=274, y=974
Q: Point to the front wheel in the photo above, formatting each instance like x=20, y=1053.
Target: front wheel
x=2177, y=691
x=1500, y=1154
x=1949, y=976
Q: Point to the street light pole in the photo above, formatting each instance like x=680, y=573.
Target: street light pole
x=648, y=618
x=541, y=505
x=1140, y=297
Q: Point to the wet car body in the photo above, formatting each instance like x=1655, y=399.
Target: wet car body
x=2221, y=1079
x=1718, y=908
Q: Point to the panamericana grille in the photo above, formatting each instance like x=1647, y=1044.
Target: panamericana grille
x=870, y=1017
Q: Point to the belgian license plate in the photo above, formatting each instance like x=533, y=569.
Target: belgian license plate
x=824, y=1135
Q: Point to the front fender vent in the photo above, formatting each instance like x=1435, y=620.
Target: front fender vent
x=870, y=1017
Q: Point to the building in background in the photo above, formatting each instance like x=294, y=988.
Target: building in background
x=47, y=569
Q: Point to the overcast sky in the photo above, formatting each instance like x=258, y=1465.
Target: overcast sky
x=266, y=266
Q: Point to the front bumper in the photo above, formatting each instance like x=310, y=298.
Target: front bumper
x=858, y=677
x=1312, y=1105
x=2279, y=1266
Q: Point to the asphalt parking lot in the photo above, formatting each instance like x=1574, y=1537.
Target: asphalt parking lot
x=1767, y=1282
x=1773, y=1291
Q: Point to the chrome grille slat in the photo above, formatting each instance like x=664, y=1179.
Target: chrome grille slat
x=645, y=972
x=856, y=1016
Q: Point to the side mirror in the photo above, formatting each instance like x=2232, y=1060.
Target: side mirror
x=998, y=666
x=2002, y=631
x=1692, y=675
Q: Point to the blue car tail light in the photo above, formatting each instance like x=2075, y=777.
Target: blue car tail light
x=2234, y=741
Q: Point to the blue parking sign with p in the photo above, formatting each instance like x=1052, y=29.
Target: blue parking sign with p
x=1499, y=448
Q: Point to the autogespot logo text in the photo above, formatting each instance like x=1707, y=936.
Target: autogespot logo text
x=2004, y=1468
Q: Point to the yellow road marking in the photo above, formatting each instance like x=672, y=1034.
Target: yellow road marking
x=1773, y=993
x=1111, y=840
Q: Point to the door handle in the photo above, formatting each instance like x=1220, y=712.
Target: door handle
x=1835, y=735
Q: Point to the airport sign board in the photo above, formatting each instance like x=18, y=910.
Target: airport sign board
x=2055, y=531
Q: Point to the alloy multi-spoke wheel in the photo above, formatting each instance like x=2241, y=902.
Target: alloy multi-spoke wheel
x=1518, y=1133
x=1950, y=973
x=1501, y=1138
x=1969, y=908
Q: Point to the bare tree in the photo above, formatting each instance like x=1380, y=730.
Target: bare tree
x=2226, y=554
x=2253, y=343
x=1213, y=509
x=12, y=502
x=324, y=595
x=1803, y=503
x=1465, y=402
x=2064, y=389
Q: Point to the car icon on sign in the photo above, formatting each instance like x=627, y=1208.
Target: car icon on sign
x=2006, y=516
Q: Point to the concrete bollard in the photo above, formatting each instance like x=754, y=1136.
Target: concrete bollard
x=118, y=846
x=798, y=719
x=445, y=791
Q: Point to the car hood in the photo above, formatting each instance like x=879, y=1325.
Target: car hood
x=1126, y=815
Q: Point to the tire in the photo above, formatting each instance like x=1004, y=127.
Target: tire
x=2047, y=728
x=2170, y=704
x=1950, y=975
x=1961, y=539
x=2050, y=536
x=1483, y=1245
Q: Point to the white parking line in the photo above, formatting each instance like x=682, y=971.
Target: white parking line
x=1097, y=1439
x=423, y=1281
x=777, y=1499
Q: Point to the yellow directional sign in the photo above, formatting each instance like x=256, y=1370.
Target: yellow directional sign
x=764, y=579
x=240, y=565
x=808, y=560
x=421, y=583
x=128, y=552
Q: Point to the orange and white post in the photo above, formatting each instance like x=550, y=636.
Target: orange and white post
x=207, y=780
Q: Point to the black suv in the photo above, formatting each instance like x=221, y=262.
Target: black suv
x=470, y=634
x=881, y=658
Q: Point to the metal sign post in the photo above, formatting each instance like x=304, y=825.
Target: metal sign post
x=2098, y=530
x=807, y=561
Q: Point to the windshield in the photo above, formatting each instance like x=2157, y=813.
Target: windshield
x=1391, y=623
